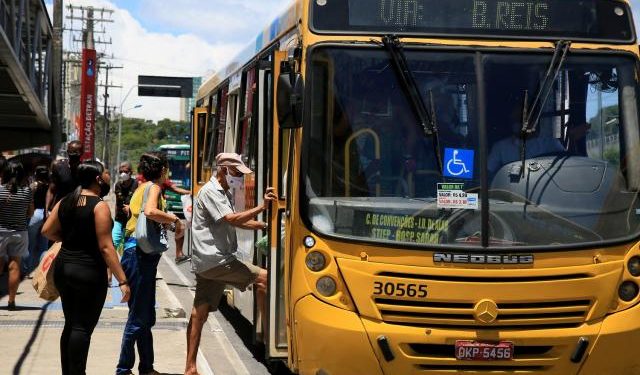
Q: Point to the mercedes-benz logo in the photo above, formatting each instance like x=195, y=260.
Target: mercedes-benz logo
x=486, y=311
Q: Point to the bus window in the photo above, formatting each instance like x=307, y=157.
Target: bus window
x=246, y=125
x=217, y=141
x=247, y=139
x=213, y=115
x=370, y=153
x=201, y=126
x=574, y=185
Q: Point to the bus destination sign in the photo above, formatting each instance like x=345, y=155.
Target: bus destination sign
x=598, y=20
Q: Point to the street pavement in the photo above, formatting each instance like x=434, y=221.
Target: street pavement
x=29, y=337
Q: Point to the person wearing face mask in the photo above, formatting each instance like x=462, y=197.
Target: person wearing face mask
x=215, y=242
x=82, y=221
x=141, y=268
x=63, y=175
x=124, y=189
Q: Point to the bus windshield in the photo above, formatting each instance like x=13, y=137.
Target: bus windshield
x=371, y=172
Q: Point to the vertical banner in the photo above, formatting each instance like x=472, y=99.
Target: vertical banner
x=88, y=103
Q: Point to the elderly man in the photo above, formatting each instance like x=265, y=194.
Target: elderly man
x=214, y=243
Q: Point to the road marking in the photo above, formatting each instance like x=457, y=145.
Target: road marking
x=214, y=325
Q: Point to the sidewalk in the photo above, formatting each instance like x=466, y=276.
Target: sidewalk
x=29, y=337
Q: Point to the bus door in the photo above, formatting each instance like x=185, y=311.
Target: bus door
x=278, y=147
x=199, y=127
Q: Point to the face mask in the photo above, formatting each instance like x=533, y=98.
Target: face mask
x=234, y=182
x=125, y=176
x=104, y=188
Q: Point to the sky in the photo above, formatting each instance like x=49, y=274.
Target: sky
x=185, y=38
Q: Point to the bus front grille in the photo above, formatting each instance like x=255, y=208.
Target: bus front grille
x=556, y=314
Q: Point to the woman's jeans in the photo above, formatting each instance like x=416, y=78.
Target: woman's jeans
x=141, y=270
x=38, y=243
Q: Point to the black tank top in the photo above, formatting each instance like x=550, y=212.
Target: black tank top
x=80, y=242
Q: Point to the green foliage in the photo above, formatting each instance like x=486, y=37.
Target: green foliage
x=139, y=136
x=609, y=123
x=612, y=155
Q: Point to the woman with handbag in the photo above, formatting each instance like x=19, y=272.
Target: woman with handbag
x=16, y=207
x=145, y=240
x=82, y=221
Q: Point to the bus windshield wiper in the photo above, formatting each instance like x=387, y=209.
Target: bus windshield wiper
x=425, y=116
x=531, y=114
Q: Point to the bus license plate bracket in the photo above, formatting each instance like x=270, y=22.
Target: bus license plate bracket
x=481, y=351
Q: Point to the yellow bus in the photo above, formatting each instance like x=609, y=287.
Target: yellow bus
x=458, y=184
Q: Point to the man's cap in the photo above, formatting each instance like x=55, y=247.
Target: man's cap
x=230, y=159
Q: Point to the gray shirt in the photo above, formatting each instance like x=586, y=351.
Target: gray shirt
x=214, y=239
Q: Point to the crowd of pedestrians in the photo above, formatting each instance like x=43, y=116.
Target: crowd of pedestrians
x=64, y=203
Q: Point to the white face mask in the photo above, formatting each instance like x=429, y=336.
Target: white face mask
x=234, y=182
x=124, y=176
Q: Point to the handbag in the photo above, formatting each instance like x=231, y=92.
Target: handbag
x=42, y=280
x=150, y=236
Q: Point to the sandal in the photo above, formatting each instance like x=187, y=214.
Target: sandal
x=182, y=259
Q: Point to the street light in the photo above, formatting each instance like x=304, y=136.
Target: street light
x=120, y=122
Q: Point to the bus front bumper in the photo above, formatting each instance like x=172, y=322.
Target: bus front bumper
x=331, y=341
x=334, y=341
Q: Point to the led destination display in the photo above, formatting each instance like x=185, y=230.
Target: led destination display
x=549, y=19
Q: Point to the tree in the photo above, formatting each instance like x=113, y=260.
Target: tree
x=139, y=136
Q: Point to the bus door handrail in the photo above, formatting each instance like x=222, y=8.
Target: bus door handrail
x=347, y=158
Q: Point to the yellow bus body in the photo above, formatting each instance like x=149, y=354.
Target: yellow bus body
x=544, y=309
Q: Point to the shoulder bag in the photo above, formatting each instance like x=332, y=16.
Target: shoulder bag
x=150, y=236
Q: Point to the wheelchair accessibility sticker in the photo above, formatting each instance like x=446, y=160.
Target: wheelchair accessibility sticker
x=458, y=163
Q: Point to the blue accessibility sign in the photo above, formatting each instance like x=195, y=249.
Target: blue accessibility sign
x=458, y=163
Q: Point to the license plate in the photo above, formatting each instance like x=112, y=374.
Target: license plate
x=480, y=351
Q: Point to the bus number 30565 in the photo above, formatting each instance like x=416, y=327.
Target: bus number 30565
x=399, y=289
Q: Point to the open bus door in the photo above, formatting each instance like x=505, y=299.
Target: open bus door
x=199, y=127
x=277, y=146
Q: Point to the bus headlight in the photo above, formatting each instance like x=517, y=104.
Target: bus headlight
x=315, y=261
x=628, y=291
x=326, y=286
x=309, y=242
x=634, y=266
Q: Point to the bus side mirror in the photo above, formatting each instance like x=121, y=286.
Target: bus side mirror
x=290, y=97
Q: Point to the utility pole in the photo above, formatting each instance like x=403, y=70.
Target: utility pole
x=105, y=147
x=83, y=21
x=56, y=104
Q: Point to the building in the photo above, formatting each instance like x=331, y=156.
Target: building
x=187, y=104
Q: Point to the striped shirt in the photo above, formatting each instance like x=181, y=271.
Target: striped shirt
x=13, y=208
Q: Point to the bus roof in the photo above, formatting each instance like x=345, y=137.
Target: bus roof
x=270, y=34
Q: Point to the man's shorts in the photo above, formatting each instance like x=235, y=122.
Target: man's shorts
x=210, y=284
x=14, y=243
